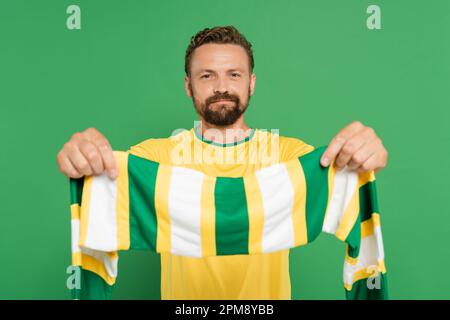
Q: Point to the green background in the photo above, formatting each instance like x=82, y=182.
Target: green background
x=318, y=68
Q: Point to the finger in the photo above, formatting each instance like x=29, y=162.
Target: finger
x=91, y=134
x=109, y=161
x=362, y=155
x=66, y=167
x=369, y=165
x=102, y=144
x=332, y=150
x=80, y=163
x=338, y=142
x=382, y=160
x=350, y=148
x=357, y=149
x=93, y=156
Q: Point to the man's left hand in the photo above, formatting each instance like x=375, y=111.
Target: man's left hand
x=358, y=147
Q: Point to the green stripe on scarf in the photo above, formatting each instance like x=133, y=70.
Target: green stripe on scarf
x=143, y=223
x=92, y=287
x=368, y=201
x=360, y=289
x=354, y=239
x=232, y=223
x=316, y=178
x=76, y=190
x=367, y=206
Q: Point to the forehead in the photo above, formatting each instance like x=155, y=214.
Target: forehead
x=219, y=57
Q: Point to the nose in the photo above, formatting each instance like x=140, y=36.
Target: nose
x=220, y=86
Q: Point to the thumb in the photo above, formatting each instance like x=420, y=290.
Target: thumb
x=332, y=151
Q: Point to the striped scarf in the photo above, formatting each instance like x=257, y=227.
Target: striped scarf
x=177, y=210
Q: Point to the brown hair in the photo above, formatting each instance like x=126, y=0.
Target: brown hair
x=219, y=35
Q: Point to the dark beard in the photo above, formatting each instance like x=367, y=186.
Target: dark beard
x=222, y=115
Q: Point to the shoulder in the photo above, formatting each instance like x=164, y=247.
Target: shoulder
x=293, y=148
x=290, y=147
x=158, y=149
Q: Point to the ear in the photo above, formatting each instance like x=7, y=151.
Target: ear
x=252, y=83
x=186, y=86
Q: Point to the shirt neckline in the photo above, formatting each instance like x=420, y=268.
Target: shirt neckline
x=230, y=144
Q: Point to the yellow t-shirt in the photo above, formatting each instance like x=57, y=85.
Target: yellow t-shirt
x=259, y=276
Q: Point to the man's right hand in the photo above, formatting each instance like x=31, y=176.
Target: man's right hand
x=87, y=153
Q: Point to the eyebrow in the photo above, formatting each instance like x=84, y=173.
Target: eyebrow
x=212, y=71
x=206, y=70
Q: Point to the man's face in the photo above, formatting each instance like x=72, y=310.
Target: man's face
x=220, y=83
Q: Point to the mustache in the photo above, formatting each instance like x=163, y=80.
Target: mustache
x=222, y=96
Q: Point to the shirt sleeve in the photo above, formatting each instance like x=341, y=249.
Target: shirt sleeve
x=293, y=148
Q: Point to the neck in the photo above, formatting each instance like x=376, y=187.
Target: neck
x=225, y=134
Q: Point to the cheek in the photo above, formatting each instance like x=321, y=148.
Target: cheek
x=202, y=91
x=244, y=93
x=243, y=88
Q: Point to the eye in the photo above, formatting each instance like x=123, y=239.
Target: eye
x=205, y=76
x=235, y=75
